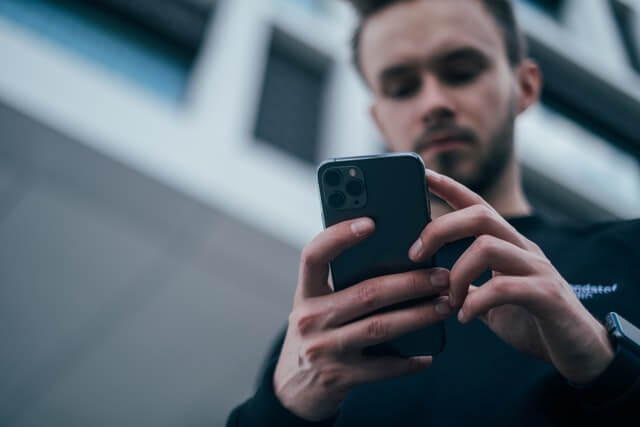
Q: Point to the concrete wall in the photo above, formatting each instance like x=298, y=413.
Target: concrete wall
x=124, y=302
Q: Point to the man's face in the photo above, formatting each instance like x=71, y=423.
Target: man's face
x=442, y=86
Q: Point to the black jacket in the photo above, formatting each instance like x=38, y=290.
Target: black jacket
x=481, y=381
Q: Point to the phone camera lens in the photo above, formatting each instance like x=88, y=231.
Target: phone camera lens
x=336, y=200
x=332, y=178
x=355, y=187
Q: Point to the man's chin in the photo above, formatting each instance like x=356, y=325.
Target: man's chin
x=450, y=153
x=455, y=165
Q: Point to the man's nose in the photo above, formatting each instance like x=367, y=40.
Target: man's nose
x=435, y=101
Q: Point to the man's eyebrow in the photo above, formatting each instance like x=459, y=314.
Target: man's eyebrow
x=462, y=53
x=397, y=69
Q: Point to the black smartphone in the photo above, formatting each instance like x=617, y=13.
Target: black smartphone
x=392, y=190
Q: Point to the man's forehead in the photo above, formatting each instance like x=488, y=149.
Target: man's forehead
x=425, y=29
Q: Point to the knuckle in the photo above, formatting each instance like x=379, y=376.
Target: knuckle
x=485, y=243
x=308, y=257
x=312, y=350
x=542, y=296
x=304, y=320
x=501, y=286
x=481, y=213
x=415, y=282
x=552, y=290
x=377, y=330
x=331, y=377
x=542, y=264
x=367, y=294
x=532, y=246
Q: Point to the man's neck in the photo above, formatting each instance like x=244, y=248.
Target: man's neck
x=506, y=195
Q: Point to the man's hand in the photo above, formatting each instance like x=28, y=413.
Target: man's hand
x=321, y=358
x=527, y=302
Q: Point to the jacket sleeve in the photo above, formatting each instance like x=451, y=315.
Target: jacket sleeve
x=616, y=392
x=264, y=408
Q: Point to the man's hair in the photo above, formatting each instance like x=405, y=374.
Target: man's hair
x=501, y=10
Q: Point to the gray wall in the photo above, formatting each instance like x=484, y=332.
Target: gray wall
x=123, y=302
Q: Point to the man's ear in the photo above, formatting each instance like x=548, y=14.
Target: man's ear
x=529, y=80
x=373, y=112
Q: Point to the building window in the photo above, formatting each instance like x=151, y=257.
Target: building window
x=292, y=101
x=629, y=27
x=153, y=43
x=553, y=8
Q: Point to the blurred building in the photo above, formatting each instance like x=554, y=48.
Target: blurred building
x=157, y=180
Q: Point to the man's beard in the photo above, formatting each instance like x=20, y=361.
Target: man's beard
x=487, y=167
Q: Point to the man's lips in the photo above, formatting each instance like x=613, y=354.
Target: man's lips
x=441, y=144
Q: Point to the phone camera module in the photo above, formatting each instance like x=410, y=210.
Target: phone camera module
x=355, y=187
x=337, y=200
x=332, y=177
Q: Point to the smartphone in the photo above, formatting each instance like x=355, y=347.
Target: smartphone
x=392, y=190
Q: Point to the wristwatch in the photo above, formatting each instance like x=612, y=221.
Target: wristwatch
x=621, y=379
x=622, y=333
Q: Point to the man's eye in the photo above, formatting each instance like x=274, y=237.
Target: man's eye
x=455, y=76
x=404, y=87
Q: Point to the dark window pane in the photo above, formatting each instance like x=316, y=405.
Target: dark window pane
x=550, y=7
x=628, y=25
x=178, y=22
x=151, y=42
x=292, y=98
x=584, y=97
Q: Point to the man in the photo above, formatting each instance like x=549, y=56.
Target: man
x=449, y=78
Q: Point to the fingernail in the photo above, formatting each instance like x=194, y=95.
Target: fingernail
x=421, y=362
x=416, y=249
x=440, y=279
x=452, y=300
x=362, y=226
x=424, y=360
x=433, y=173
x=443, y=308
x=461, y=315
